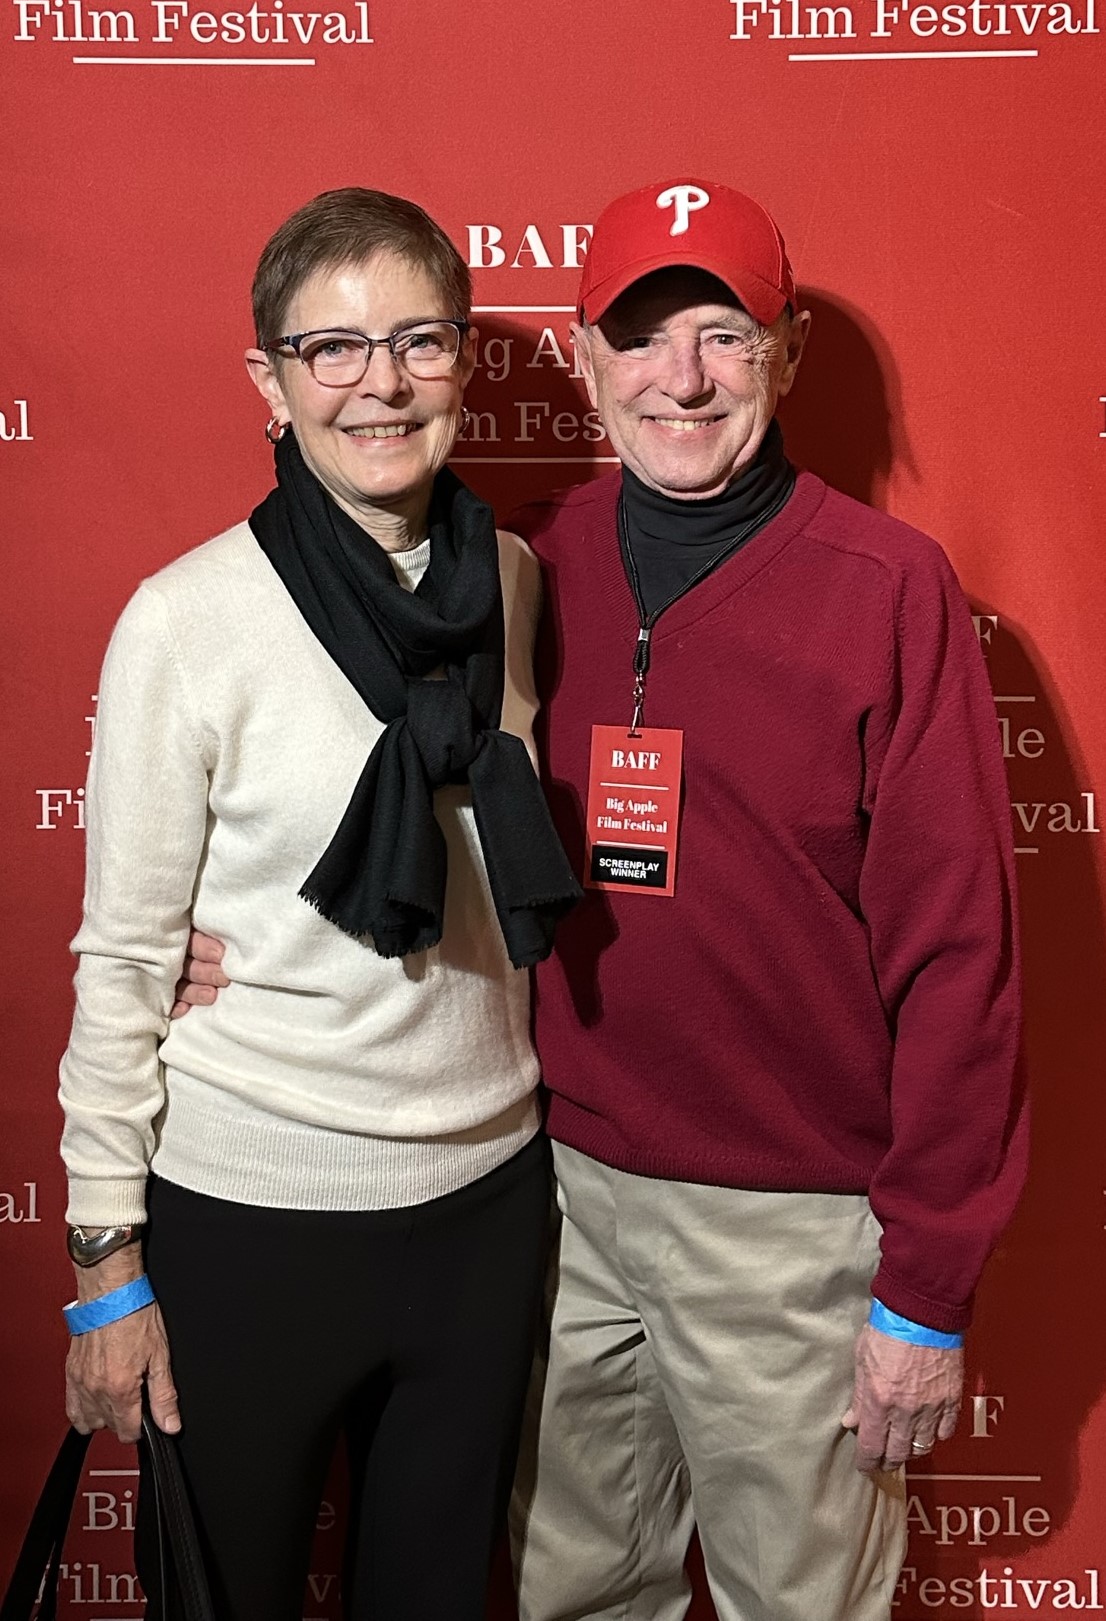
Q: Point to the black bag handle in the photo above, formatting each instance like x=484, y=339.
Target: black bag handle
x=185, y=1562
x=180, y=1562
x=42, y=1546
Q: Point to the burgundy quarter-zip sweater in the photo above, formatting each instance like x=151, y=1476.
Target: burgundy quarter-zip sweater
x=830, y=1000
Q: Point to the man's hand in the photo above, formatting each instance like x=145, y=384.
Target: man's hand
x=106, y=1368
x=905, y=1399
x=203, y=978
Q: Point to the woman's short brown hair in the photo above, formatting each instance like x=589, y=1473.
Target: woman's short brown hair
x=346, y=227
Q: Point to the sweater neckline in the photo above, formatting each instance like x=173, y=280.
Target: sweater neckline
x=731, y=575
x=670, y=543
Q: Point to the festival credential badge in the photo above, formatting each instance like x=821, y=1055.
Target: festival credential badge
x=633, y=809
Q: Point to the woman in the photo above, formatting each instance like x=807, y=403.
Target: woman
x=313, y=737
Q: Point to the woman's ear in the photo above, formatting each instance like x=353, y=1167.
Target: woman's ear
x=266, y=379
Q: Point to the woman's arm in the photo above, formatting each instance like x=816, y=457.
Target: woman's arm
x=146, y=818
x=146, y=813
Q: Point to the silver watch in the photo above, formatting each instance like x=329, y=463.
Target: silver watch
x=86, y=1249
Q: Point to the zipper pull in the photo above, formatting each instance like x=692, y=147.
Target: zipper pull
x=641, y=650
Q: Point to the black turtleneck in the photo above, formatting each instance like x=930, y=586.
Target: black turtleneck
x=673, y=540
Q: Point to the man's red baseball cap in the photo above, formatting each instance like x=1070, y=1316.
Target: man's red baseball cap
x=688, y=222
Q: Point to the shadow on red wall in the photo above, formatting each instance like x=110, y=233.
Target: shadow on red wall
x=844, y=419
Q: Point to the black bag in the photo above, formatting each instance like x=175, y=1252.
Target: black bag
x=184, y=1590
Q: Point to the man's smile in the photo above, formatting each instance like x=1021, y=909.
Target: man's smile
x=685, y=424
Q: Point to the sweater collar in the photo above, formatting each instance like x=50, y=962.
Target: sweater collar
x=600, y=500
x=653, y=517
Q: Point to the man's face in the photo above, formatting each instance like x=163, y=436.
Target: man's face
x=685, y=380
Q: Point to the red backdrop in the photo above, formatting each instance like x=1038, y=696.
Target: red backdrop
x=936, y=171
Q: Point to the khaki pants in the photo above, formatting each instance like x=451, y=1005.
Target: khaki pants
x=700, y=1358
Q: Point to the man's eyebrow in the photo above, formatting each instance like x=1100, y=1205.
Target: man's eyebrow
x=734, y=320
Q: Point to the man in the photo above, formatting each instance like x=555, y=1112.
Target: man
x=779, y=1036
x=804, y=1054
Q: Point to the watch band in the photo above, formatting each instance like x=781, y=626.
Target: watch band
x=86, y=1249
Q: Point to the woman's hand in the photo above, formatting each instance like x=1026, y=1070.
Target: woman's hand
x=106, y=1368
x=202, y=978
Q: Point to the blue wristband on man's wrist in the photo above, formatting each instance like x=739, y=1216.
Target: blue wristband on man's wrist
x=901, y=1328
x=109, y=1308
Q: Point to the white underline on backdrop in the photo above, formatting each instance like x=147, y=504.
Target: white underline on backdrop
x=1011, y=1479
x=892, y=56
x=523, y=461
x=199, y=61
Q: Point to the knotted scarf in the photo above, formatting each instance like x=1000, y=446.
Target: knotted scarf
x=383, y=874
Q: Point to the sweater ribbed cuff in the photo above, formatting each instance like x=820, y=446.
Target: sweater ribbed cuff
x=899, y=1297
x=96, y=1201
x=897, y=1327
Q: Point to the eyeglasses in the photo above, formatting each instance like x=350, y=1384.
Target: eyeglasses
x=338, y=357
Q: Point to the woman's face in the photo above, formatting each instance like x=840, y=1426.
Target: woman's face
x=366, y=472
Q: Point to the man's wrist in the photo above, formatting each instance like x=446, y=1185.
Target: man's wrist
x=897, y=1327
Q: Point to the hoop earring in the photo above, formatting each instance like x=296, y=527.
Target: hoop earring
x=275, y=430
x=466, y=418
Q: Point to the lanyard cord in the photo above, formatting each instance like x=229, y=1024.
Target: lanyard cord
x=643, y=645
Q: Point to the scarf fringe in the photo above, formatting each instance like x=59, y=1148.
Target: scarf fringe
x=319, y=904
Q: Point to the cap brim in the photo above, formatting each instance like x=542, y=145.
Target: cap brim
x=763, y=301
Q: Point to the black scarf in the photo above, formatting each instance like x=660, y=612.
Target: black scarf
x=383, y=873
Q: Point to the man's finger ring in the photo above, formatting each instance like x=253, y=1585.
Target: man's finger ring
x=920, y=1448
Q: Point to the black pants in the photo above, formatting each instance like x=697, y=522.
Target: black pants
x=408, y=1331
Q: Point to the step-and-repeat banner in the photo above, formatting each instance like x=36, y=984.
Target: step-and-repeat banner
x=937, y=172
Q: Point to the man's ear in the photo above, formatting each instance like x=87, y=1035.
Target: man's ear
x=797, y=331
x=581, y=338
x=266, y=380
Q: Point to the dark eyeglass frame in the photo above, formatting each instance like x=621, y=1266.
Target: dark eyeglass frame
x=294, y=340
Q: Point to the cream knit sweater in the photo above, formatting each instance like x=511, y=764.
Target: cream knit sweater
x=325, y=1077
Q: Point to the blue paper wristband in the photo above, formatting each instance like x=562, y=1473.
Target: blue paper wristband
x=901, y=1328
x=109, y=1308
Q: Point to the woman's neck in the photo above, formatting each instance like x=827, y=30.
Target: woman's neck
x=396, y=527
